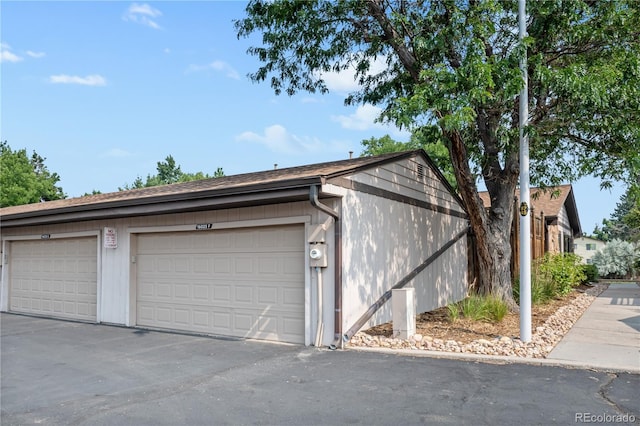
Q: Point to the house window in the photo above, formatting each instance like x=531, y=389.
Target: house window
x=420, y=172
x=591, y=246
x=589, y=261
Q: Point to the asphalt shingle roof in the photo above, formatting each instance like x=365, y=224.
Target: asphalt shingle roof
x=236, y=184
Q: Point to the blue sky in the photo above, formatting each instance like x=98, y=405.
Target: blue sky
x=105, y=90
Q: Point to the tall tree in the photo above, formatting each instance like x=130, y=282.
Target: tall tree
x=452, y=66
x=169, y=172
x=624, y=223
x=24, y=179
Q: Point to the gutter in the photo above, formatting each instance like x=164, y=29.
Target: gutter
x=337, y=228
x=153, y=196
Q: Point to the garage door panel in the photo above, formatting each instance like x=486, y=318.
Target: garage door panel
x=243, y=295
x=201, y=292
x=292, y=296
x=243, y=282
x=201, y=318
x=54, y=277
x=222, y=293
x=268, y=295
x=201, y=265
x=243, y=265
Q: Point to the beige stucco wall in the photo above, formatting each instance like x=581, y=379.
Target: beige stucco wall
x=384, y=240
x=580, y=245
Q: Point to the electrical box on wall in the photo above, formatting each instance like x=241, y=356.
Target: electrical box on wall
x=318, y=255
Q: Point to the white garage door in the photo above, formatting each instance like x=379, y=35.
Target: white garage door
x=245, y=282
x=56, y=278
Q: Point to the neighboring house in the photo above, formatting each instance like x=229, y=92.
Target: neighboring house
x=554, y=222
x=293, y=255
x=586, y=247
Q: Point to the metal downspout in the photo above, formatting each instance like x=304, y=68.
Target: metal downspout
x=337, y=228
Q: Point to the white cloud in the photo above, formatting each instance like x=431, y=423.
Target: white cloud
x=218, y=66
x=364, y=118
x=117, y=153
x=6, y=55
x=278, y=139
x=345, y=81
x=90, y=80
x=143, y=14
x=35, y=54
x=341, y=81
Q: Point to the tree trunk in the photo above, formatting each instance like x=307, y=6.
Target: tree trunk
x=493, y=250
x=492, y=228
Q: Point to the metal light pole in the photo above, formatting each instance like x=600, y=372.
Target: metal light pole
x=525, y=219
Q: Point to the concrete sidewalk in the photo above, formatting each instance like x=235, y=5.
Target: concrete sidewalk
x=607, y=336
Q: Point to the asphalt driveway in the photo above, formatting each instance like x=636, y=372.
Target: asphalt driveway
x=58, y=372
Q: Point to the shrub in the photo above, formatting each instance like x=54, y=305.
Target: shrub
x=473, y=308
x=564, y=269
x=454, y=312
x=542, y=288
x=553, y=275
x=616, y=259
x=496, y=309
x=479, y=308
x=590, y=273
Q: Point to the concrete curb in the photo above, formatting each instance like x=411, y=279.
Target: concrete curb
x=496, y=359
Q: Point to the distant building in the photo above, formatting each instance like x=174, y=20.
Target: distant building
x=554, y=222
x=586, y=247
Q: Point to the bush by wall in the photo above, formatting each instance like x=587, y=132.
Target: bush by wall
x=590, y=273
x=553, y=275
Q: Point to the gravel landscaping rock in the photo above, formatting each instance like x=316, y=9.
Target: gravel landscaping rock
x=543, y=339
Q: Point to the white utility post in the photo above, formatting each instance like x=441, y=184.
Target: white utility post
x=525, y=219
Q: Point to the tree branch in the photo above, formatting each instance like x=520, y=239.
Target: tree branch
x=395, y=40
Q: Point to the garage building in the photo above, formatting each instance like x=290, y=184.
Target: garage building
x=296, y=255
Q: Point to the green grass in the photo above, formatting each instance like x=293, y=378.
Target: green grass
x=479, y=308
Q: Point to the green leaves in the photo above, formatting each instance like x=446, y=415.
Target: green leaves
x=169, y=172
x=25, y=180
x=616, y=259
x=455, y=64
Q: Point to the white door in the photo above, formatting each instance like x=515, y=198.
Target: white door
x=56, y=278
x=246, y=282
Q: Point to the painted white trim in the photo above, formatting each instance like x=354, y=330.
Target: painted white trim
x=334, y=190
x=99, y=279
x=52, y=236
x=130, y=310
x=4, y=280
x=252, y=223
x=307, y=289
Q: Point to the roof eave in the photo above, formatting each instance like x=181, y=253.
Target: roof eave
x=402, y=156
x=293, y=190
x=572, y=211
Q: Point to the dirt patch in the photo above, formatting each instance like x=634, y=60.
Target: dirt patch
x=438, y=325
